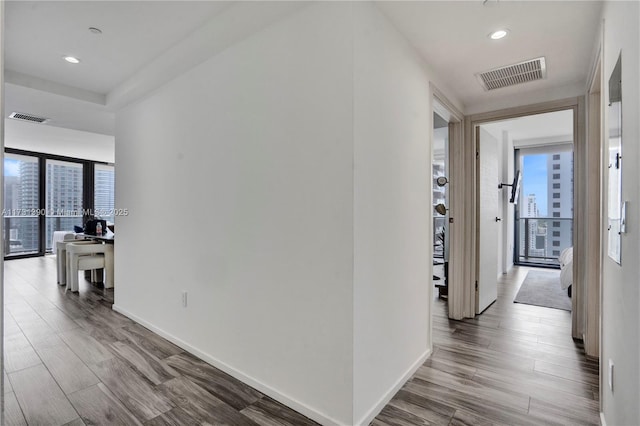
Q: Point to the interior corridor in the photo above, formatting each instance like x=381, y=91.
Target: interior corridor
x=514, y=364
x=70, y=359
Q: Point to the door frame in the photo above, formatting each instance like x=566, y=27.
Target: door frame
x=463, y=297
x=597, y=160
x=457, y=206
x=595, y=212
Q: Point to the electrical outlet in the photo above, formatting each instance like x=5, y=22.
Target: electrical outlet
x=184, y=299
x=611, y=375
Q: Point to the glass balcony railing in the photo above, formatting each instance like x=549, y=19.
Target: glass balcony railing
x=59, y=223
x=540, y=240
x=21, y=235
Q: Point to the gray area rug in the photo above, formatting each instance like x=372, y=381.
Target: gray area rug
x=542, y=288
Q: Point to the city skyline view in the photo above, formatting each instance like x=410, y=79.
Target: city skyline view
x=63, y=202
x=546, y=210
x=534, y=180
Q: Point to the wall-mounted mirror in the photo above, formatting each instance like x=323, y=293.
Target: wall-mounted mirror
x=614, y=210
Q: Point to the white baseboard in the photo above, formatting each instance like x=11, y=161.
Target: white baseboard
x=254, y=383
x=602, y=421
x=382, y=402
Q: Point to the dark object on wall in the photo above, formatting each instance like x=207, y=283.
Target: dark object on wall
x=515, y=187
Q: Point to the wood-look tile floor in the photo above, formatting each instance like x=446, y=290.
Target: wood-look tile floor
x=71, y=360
x=515, y=364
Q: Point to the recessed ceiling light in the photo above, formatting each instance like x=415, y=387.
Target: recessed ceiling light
x=72, y=59
x=497, y=35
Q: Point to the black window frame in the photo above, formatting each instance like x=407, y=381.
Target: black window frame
x=88, y=171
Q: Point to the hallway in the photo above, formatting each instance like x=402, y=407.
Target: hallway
x=514, y=364
x=70, y=358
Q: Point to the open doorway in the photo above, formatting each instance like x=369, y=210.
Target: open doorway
x=440, y=169
x=448, y=177
x=526, y=217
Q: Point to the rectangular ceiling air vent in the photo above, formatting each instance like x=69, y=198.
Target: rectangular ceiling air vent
x=28, y=117
x=510, y=75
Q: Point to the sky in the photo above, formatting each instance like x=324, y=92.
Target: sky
x=534, y=180
x=11, y=167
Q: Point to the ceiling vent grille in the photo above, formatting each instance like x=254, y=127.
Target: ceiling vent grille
x=28, y=117
x=510, y=75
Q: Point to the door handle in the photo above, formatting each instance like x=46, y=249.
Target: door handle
x=498, y=219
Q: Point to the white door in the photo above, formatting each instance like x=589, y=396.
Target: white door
x=489, y=221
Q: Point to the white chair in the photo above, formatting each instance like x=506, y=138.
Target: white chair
x=61, y=255
x=82, y=257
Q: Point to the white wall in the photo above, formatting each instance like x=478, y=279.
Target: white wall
x=290, y=178
x=59, y=141
x=239, y=179
x=508, y=209
x=392, y=212
x=503, y=200
x=621, y=296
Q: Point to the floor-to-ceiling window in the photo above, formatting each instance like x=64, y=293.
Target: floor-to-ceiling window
x=45, y=193
x=544, y=216
x=64, y=202
x=104, y=193
x=21, y=204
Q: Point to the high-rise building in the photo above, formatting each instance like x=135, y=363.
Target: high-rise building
x=560, y=202
x=531, y=207
x=63, y=197
x=26, y=226
x=534, y=230
x=104, y=196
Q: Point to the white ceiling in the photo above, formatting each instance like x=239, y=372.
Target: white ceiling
x=39, y=34
x=552, y=127
x=142, y=40
x=452, y=36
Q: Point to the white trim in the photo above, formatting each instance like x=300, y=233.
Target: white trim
x=471, y=122
x=382, y=402
x=37, y=83
x=454, y=113
x=254, y=383
x=602, y=421
x=457, y=207
x=2, y=223
x=545, y=141
x=596, y=56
